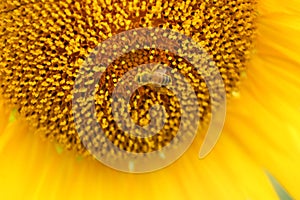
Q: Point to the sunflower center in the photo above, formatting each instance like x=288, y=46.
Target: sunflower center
x=43, y=45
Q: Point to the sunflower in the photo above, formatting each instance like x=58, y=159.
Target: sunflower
x=260, y=141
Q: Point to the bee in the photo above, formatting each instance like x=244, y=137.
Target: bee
x=157, y=77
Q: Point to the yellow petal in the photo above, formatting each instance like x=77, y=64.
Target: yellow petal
x=34, y=169
x=270, y=99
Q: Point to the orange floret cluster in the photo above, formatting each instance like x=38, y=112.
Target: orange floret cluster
x=43, y=43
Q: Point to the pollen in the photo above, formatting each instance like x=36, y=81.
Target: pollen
x=44, y=43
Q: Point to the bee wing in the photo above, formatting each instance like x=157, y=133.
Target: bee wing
x=161, y=71
x=155, y=68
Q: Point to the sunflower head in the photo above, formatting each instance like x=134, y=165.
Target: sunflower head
x=44, y=44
